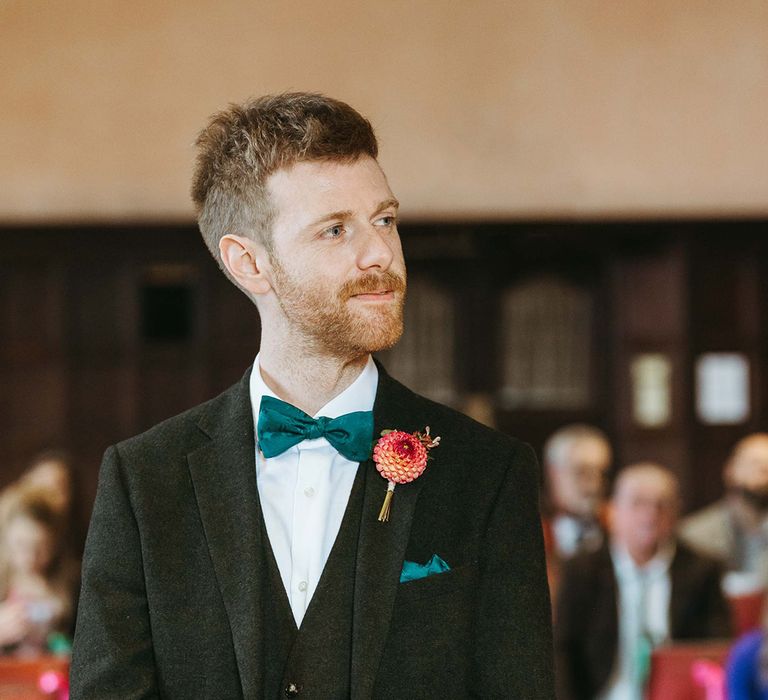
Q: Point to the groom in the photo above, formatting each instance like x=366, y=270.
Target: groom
x=240, y=550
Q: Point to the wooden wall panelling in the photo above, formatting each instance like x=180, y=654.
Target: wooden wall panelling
x=650, y=316
x=33, y=368
x=76, y=370
x=232, y=327
x=572, y=257
x=726, y=310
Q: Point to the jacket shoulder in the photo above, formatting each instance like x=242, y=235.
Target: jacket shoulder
x=452, y=421
x=690, y=561
x=184, y=431
x=708, y=530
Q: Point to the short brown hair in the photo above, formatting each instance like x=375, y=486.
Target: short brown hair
x=244, y=144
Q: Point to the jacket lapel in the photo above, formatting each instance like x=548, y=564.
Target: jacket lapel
x=224, y=476
x=680, y=594
x=381, y=546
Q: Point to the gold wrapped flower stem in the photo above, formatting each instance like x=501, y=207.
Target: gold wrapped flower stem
x=384, y=512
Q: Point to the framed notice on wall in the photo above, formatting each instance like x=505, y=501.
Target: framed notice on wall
x=651, y=389
x=722, y=388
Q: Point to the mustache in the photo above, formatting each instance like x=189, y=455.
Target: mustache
x=372, y=282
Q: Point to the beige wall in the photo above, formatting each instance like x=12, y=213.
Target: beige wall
x=484, y=108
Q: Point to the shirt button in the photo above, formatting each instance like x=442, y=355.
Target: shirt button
x=302, y=586
x=291, y=690
x=309, y=492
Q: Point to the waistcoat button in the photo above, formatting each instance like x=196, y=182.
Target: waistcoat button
x=291, y=690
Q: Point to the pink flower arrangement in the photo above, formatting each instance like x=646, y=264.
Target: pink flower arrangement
x=401, y=457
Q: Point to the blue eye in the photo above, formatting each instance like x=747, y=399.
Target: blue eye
x=388, y=220
x=333, y=231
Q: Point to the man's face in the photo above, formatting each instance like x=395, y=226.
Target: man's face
x=578, y=479
x=747, y=471
x=338, y=272
x=644, y=511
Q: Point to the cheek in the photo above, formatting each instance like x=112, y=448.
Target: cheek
x=44, y=555
x=21, y=556
x=397, y=254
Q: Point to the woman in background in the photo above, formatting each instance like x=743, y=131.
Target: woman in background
x=37, y=574
x=52, y=473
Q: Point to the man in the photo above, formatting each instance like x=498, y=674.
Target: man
x=618, y=603
x=227, y=556
x=735, y=529
x=577, y=458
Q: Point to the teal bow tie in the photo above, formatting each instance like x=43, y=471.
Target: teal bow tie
x=281, y=426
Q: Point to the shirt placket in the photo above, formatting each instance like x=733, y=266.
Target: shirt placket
x=304, y=517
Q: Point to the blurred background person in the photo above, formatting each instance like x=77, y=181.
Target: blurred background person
x=50, y=471
x=637, y=591
x=577, y=458
x=37, y=575
x=52, y=474
x=735, y=528
x=746, y=670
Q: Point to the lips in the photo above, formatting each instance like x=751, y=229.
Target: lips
x=375, y=287
x=374, y=296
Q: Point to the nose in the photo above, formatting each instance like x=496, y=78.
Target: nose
x=376, y=249
x=591, y=482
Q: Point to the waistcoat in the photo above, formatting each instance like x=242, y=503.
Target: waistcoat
x=314, y=660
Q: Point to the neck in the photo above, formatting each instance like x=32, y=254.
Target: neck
x=304, y=377
x=641, y=556
x=749, y=517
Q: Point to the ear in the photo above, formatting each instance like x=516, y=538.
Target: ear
x=245, y=260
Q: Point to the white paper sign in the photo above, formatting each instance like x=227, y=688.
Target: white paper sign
x=651, y=390
x=722, y=388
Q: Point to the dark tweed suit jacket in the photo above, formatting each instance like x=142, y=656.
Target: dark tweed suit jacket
x=587, y=625
x=169, y=605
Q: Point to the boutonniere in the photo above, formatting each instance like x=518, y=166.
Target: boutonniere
x=401, y=457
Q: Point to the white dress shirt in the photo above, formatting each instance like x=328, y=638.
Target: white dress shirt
x=304, y=491
x=643, y=609
x=574, y=535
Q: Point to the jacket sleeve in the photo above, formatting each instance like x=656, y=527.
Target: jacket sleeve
x=569, y=609
x=513, y=653
x=112, y=654
x=719, y=618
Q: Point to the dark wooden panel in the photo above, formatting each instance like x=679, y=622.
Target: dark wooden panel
x=77, y=370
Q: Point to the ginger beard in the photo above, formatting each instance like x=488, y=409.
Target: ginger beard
x=333, y=321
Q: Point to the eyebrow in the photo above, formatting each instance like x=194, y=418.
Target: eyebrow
x=386, y=204
x=347, y=213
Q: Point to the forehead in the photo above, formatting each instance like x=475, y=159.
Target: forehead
x=646, y=486
x=755, y=450
x=310, y=189
x=586, y=451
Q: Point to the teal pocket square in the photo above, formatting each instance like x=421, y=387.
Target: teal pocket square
x=413, y=571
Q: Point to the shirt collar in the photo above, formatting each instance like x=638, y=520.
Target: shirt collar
x=625, y=565
x=358, y=396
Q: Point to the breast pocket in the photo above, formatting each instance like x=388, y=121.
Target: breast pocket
x=430, y=635
x=437, y=584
